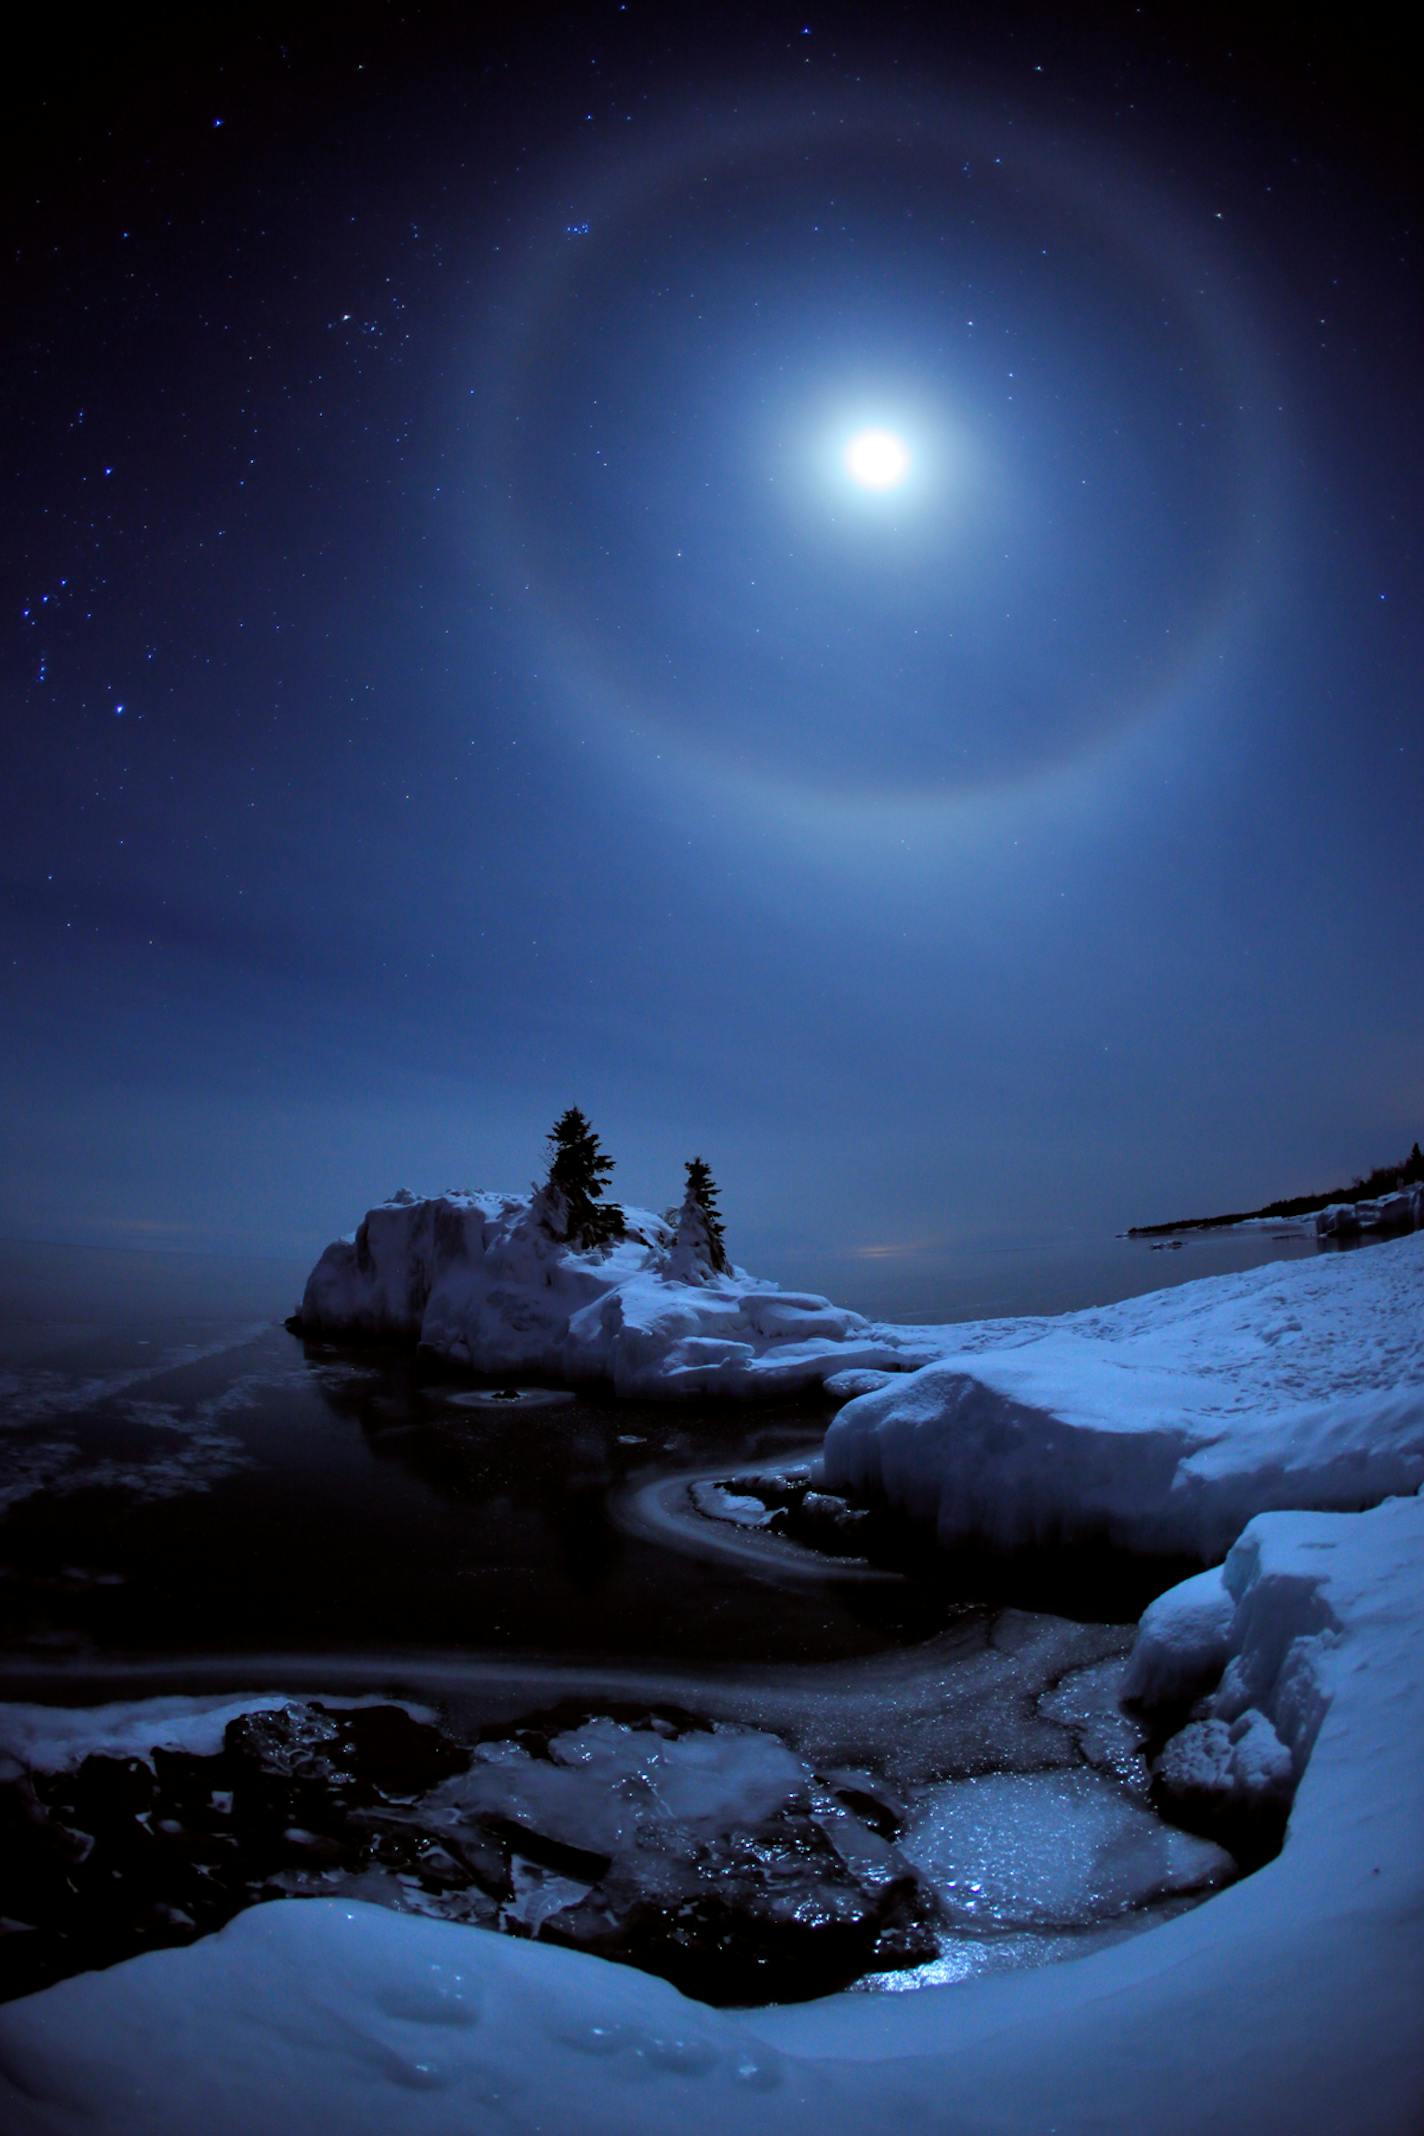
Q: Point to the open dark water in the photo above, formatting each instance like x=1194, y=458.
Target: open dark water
x=273, y=1497
x=180, y=1477
x=1037, y=1270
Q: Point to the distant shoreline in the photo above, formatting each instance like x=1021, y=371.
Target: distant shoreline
x=1306, y=1206
x=1384, y=1179
x=1220, y=1222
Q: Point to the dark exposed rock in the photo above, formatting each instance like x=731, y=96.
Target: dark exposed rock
x=121, y=1855
x=803, y=1513
x=873, y=1804
x=108, y=1791
x=710, y=1855
x=772, y=1913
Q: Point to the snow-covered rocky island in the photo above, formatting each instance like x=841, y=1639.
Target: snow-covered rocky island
x=1267, y=1427
x=493, y=1284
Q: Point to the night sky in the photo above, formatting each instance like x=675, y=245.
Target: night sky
x=452, y=673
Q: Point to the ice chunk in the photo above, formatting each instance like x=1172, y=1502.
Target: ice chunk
x=603, y=1781
x=1261, y=1765
x=718, y=1503
x=539, y=1893
x=1218, y=1763
x=1021, y=1850
x=844, y=1386
x=726, y=1777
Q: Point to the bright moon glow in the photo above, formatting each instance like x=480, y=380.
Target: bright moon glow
x=877, y=459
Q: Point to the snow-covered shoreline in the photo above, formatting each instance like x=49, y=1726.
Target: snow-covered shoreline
x=1240, y=1415
x=1161, y=1424
x=1289, y=2001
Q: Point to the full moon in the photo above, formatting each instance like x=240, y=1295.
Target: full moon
x=877, y=459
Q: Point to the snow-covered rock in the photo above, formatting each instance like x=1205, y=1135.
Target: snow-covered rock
x=1183, y=1642
x=1401, y=1211
x=481, y=1280
x=1241, y=1764
x=845, y=1386
x=1289, y=2001
x=1292, y=1597
x=48, y=1738
x=1162, y=1423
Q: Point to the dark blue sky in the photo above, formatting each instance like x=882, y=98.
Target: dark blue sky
x=449, y=673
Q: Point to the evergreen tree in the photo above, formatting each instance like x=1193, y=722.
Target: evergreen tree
x=1413, y=1171
x=699, y=1249
x=578, y=1171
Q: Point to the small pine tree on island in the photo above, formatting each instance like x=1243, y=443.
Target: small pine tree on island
x=578, y=1170
x=699, y=1249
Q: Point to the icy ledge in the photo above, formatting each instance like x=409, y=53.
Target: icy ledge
x=480, y=1280
x=1290, y=2001
x=1161, y=1424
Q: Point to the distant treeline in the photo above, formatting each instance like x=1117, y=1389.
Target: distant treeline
x=1384, y=1179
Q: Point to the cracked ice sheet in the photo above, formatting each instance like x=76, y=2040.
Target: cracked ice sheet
x=602, y=1781
x=1051, y=1850
x=181, y=1447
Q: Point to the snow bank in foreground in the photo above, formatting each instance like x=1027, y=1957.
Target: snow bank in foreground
x=1290, y=2001
x=479, y=1279
x=1163, y=1423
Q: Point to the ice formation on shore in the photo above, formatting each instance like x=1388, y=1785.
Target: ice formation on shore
x=1403, y=1210
x=1163, y=1423
x=1159, y=1424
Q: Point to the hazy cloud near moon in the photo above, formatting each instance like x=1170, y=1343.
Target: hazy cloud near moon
x=669, y=432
